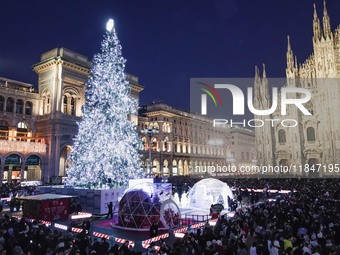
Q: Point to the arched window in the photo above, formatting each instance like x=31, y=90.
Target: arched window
x=164, y=127
x=165, y=167
x=10, y=105
x=22, y=129
x=22, y=126
x=144, y=141
x=73, y=106
x=174, y=167
x=3, y=124
x=47, y=103
x=65, y=104
x=282, y=136
x=310, y=134
x=28, y=108
x=154, y=144
x=2, y=103
x=180, y=167
x=166, y=144
x=19, y=106
x=155, y=125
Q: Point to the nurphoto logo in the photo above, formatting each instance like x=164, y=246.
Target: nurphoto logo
x=283, y=100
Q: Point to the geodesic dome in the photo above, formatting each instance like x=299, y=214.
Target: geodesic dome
x=209, y=191
x=141, y=205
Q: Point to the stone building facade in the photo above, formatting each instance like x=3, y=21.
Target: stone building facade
x=188, y=144
x=316, y=139
x=37, y=127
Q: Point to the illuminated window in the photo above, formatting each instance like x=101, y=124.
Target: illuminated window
x=154, y=144
x=144, y=143
x=22, y=125
x=22, y=129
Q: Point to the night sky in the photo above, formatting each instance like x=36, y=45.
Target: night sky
x=165, y=42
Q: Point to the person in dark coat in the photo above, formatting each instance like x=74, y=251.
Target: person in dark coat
x=110, y=212
x=153, y=229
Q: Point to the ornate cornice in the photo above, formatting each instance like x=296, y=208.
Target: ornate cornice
x=136, y=88
x=45, y=65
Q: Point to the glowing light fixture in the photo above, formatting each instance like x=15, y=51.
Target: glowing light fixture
x=110, y=25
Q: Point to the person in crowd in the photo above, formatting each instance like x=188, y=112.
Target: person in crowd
x=153, y=229
x=110, y=210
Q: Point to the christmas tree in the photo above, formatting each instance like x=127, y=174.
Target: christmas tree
x=105, y=151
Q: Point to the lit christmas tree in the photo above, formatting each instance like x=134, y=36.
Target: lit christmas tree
x=105, y=151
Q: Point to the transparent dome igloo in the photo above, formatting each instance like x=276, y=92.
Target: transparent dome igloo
x=144, y=204
x=209, y=191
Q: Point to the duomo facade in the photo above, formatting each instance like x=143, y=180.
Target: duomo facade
x=316, y=139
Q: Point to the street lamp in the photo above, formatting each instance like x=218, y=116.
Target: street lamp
x=150, y=132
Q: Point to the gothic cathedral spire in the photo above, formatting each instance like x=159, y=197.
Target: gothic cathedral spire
x=316, y=25
x=326, y=22
x=290, y=56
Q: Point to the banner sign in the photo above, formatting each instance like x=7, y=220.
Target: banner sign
x=13, y=159
x=33, y=160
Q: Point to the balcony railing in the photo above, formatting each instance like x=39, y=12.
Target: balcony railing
x=15, y=141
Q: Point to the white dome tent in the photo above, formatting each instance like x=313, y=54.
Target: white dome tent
x=209, y=191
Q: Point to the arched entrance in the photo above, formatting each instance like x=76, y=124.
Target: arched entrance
x=33, y=168
x=63, y=164
x=12, y=170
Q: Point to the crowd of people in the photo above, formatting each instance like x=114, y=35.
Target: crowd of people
x=22, y=237
x=305, y=221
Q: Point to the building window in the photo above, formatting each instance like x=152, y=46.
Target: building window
x=47, y=103
x=65, y=105
x=73, y=106
x=144, y=143
x=310, y=134
x=282, y=136
x=3, y=129
x=19, y=106
x=10, y=105
x=22, y=125
x=2, y=103
x=22, y=129
x=28, y=108
x=154, y=144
